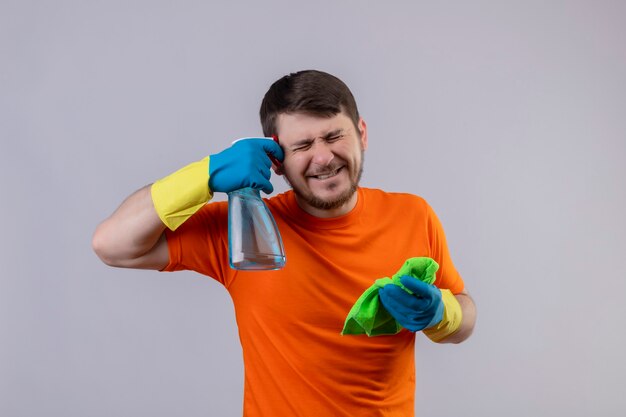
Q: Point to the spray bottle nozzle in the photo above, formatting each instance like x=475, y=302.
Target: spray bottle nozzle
x=279, y=165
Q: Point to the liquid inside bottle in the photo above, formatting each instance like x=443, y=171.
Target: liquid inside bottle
x=254, y=242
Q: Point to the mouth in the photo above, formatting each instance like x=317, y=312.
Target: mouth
x=327, y=174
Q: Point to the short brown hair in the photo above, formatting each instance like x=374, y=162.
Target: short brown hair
x=312, y=92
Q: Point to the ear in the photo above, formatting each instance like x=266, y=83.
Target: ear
x=362, y=126
x=278, y=169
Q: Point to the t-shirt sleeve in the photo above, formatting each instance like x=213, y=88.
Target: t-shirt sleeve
x=447, y=275
x=200, y=244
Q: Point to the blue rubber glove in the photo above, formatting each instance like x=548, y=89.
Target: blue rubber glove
x=417, y=311
x=245, y=164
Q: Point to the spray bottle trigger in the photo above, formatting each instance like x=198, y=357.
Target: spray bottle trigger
x=276, y=162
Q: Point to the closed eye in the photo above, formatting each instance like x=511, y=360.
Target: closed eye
x=306, y=144
x=302, y=147
x=334, y=138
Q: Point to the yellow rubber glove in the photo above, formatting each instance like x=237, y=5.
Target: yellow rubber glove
x=179, y=195
x=451, y=321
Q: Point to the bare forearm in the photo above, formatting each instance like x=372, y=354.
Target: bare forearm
x=130, y=232
x=468, y=321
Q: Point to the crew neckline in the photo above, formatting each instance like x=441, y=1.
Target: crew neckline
x=308, y=220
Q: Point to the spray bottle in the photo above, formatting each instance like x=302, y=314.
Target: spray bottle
x=254, y=242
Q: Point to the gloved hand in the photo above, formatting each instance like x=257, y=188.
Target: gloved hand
x=245, y=164
x=420, y=310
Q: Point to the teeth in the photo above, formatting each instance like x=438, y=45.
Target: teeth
x=328, y=175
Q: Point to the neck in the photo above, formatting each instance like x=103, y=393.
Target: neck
x=329, y=213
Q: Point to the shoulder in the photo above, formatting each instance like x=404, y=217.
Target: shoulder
x=377, y=196
x=280, y=200
x=282, y=204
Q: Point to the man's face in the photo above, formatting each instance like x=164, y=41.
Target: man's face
x=323, y=160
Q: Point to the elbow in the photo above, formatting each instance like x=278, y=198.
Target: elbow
x=103, y=247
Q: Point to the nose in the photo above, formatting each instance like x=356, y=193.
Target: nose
x=322, y=153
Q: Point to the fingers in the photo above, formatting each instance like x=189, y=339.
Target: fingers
x=395, y=298
x=268, y=145
x=247, y=163
x=260, y=183
x=402, y=306
x=261, y=160
x=408, y=303
x=273, y=148
x=269, y=153
x=264, y=166
x=418, y=287
x=266, y=187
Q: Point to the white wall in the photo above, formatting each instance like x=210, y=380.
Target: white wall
x=509, y=117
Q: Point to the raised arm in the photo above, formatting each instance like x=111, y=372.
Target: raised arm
x=133, y=236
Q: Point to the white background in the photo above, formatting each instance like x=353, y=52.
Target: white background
x=508, y=117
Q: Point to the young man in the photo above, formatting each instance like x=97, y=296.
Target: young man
x=338, y=237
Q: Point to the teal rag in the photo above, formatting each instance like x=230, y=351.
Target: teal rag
x=368, y=316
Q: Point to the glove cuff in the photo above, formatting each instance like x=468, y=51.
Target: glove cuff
x=179, y=195
x=452, y=317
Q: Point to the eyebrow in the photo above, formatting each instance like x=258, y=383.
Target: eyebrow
x=326, y=136
x=332, y=133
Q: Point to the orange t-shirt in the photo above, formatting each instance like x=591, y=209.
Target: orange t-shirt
x=296, y=361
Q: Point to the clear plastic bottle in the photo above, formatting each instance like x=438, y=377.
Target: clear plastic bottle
x=254, y=242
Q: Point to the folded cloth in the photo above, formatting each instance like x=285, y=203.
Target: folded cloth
x=369, y=316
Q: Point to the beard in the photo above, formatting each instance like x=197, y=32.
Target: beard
x=336, y=202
